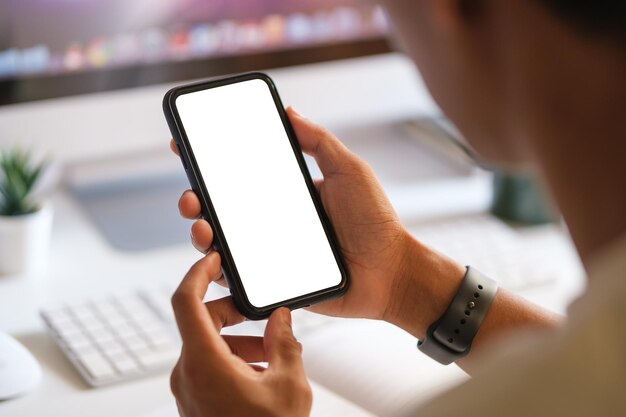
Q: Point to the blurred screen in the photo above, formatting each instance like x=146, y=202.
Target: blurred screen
x=259, y=194
x=57, y=37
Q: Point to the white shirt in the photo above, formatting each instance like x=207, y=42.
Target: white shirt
x=579, y=371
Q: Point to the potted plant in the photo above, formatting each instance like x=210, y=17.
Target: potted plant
x=25, y=224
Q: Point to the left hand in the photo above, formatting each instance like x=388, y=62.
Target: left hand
x=213, y=376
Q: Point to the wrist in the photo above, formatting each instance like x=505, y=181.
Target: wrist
x=422, y=289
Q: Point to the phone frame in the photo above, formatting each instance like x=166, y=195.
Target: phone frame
x=220, y=243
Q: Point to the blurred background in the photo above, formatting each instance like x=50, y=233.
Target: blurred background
x=63, y=47
x=93, y=210
x=81, y=83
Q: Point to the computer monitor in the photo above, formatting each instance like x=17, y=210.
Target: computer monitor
x=83, y=80
x=67, y=66
x=56, y=48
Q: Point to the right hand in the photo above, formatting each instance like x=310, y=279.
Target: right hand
x=216, y=374
x=375, y=245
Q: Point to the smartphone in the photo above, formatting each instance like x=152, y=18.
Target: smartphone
x=243, y=160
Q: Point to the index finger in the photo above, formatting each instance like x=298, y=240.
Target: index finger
x=194, y=322
x=329, y=153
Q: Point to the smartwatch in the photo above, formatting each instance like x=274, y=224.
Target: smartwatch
x=450, y=337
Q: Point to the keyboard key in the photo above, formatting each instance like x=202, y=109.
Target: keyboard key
x=159, y=301
x=79, y=343
x=156, y=358
x=124, y=363
x=97, y=366
x=159, y=338
x=89, y=321
x=138, y=314
x=114, y=317
x=112, y=347
x=68, y=330
x=58, y=318
x=135, y=343
x=124, y=330
x=102, y=335
x=148, y=325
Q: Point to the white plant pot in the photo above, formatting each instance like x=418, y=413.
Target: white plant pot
x=25, y=242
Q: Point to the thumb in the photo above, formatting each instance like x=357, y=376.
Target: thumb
x=316, y=141
x=281, y=347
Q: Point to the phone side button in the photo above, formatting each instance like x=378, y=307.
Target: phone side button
x=181, y=156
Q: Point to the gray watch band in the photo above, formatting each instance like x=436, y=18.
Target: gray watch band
x=450, y=338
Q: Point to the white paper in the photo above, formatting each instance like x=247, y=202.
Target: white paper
x=375, y=365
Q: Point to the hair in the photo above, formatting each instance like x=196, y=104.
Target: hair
x=593, y=17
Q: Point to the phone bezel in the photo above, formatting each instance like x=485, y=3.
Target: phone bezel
x=208, y=212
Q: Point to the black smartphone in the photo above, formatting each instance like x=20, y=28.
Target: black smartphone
x=244, y=162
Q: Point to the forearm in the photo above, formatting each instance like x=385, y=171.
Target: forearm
x=426, y=284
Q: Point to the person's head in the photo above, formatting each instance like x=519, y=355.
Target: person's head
x=501, y=68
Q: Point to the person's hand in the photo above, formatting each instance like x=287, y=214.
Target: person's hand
x=213, y=376
x=393, y=277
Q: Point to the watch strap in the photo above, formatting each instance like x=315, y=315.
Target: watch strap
x=450, y=337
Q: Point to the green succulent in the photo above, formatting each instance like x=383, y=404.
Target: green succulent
x=18, y=175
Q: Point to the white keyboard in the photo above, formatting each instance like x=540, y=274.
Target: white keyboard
x=117, y=338
x=493, y=247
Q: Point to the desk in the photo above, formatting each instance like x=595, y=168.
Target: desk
x=83, y=265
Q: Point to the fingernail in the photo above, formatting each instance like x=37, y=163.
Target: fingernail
x=286, y=315
x=295, y=112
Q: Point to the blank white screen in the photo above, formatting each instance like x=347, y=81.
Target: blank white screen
x=258, y=192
